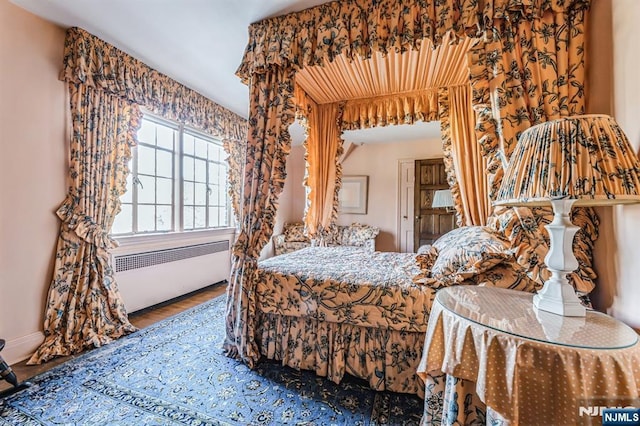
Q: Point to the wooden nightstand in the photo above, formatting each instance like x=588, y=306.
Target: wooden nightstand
x=530, y=367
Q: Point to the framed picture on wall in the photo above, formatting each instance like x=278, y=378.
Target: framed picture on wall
x=353, y=194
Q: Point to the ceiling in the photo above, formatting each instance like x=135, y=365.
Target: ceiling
x=198, y=43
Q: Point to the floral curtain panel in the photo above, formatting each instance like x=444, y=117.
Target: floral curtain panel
x=526, y=72
x=84, y=307
x=96, y=63
x=271, y=112
x=236, y=150
x=106, y=86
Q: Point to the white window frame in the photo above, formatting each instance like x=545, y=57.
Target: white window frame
x=222, y=163
x=177, y=231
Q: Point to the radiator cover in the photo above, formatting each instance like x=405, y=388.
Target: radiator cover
x=157, y=257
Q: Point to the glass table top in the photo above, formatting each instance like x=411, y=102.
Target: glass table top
x=512, y=312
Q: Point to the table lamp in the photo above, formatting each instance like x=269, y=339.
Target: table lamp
x=585, y=160
x=442, y=198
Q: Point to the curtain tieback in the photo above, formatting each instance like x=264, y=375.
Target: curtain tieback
x=84, y=226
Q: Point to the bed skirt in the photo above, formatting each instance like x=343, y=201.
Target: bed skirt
x=386, y=359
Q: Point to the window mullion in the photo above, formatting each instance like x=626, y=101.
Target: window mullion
x=206, y=199
x=134, y=193
x=178, y=185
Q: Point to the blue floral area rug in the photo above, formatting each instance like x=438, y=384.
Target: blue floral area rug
x=175, y=373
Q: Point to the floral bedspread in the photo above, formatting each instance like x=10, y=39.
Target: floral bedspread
x=346, y=285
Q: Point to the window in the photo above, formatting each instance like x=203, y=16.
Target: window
x=205, y=183
x=178, y=182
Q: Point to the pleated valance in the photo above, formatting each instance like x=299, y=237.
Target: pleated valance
x=356, y=28
x=391, y=110
x=94, y=62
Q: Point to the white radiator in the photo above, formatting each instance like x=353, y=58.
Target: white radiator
x=150, y=276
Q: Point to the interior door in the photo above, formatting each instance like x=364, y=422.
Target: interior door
x=406, y=209
x=430, y=223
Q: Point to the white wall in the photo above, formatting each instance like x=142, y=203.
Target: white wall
x=292, y=199
x=379, y=161
x=626, y=63
x=32, y=171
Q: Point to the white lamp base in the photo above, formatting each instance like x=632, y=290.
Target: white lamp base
x=555, y=298
x=558, y=296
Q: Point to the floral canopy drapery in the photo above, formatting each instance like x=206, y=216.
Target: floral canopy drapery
x=106, y=87
x=515, y=45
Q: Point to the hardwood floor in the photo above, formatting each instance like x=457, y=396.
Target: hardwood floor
x=140, y=319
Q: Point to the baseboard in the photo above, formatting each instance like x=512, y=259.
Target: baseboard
x=19, y=349
x=177, y=299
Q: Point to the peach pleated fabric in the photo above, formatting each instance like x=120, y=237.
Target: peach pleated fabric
x=466, y=167
x=323, y=176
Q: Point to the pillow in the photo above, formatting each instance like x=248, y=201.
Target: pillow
x=425, y=258
x=357, y=234
x=524, y=228
x=466, y=252
x=294, y=232
x=507, y=275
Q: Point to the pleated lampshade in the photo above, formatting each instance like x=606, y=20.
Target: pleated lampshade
x=442, y=199
x=586, y=158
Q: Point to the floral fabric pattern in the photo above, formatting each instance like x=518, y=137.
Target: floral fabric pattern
x=524, y=72
x=340, y=284
x=587, y=158
x=94, y=62
x=356, y=28
x=452, y=401
x=236, y=150
x=354, y=235
x=271, y=112
x=466, y=252
x=106, y=87
x=84, y=307
x=390, y=110
x=294, y=232
x=386, y=359
x=282, y=246
x=524, y=228
x=506, y=275
x=337, y=310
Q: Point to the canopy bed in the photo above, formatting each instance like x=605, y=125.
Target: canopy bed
x=486, y=70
